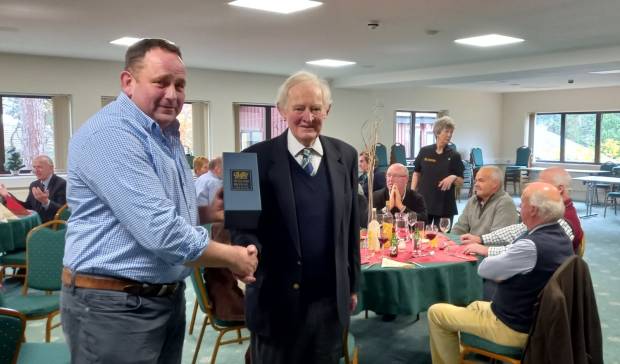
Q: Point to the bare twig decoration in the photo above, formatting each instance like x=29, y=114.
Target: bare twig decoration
x=370, y=136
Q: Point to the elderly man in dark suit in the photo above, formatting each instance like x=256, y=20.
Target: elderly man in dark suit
x=47, y=194
x=308, y=235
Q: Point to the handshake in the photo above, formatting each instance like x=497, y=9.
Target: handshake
x=244, y=266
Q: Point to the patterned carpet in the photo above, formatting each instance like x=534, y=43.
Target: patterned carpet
x=406, y=340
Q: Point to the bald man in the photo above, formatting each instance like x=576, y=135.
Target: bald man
x=47, y=194
x=490, y=209
x=495, y=242
x=397, y=196
x=521, y=272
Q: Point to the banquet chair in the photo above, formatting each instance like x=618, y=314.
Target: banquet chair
x=612, y=195
x=398, y=155
x=608, y=167
x=350, y=355
x=475, y=158
x=13, y=351
x=515, y=173
x=45, y=246
x=381, y=158
x=63, y=213
x=472, y=344
x=468, y=181
x=220, y=326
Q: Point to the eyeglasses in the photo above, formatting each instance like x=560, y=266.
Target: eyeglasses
x=395, y=175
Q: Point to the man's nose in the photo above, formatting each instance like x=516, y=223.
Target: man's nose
x=307, y=115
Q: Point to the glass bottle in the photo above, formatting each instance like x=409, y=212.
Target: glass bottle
x=373, y=232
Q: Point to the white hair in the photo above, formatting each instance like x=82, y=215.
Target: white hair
x=444, y=122
x=548, y=209
x=300, y=77
x=496, y=174
x=46, y=159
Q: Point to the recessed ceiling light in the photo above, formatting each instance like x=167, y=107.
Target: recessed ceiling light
x=277, y=6
x=330, y=63
x=125, y=41
x=609, y=72
x=489, y=40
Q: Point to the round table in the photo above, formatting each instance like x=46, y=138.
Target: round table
x=13, y=233
x=406, y=291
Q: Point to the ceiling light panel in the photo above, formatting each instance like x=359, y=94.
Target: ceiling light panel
x=330, y=63
x=277, y=6
x=125, y=41
x=489, y=40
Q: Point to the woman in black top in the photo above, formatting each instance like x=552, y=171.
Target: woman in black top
x=438, y=169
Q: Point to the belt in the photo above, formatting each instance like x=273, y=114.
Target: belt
x=80, y=280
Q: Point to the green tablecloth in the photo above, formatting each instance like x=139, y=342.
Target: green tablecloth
x=13, y=233
x=411, y=291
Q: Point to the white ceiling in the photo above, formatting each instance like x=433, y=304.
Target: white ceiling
x=564, y=39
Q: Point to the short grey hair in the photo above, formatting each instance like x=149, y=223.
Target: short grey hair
x=557, y=176
x=300, y=77
x=215, y=162
x=45, y=158
x=548, y=210
x=496, y=174
x=444, y=122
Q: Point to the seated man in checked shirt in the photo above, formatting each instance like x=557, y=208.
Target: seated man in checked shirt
x=495, y=242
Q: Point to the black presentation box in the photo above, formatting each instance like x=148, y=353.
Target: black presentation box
x=242, y=206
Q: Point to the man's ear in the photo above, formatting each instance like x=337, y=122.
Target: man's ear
x=127, y=83
x=328, y=109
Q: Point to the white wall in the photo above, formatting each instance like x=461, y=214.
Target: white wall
x=477, y=115
x=86, y=81
x=517, y=106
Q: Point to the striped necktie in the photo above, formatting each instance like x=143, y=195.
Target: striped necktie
x=306, y=162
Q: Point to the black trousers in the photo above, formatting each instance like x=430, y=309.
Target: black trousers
x=318, y=340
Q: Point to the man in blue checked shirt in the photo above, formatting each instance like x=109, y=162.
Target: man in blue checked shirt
x=132, y=238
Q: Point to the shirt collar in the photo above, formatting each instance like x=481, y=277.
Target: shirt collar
x=295, y=147
x=144, y=120
x=46, y=182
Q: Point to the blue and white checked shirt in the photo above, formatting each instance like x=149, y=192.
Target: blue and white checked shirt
x=132, y=198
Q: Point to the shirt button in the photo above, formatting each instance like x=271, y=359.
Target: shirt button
x=295, y=285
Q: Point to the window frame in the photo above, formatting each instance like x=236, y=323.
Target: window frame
x=412, y=125
x=3, y=170
x=268, y=120
x=597, y=135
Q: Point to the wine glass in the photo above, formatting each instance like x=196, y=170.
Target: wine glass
x=412, y=218
x=430, y=232
x=401, y=229
x=444, y=224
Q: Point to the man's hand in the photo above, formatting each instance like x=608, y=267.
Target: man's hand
x=353, y=303
x=471, y=239
x=476, y=249
x=42, y=196
x=244, y=266
x=3, y=191
x=446, y=183
x=395, y=199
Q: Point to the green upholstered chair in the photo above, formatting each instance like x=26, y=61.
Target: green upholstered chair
x=63, y=213
x=220, y=326
x=612, y=196
x=472, y=344
x=45, y=246
x=381, y=158
x=12, y=350
x=475, y=157
x=468, y=181
x=514, y=173
x=398, y=154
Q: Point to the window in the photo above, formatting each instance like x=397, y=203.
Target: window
x=186, y=121
x=414, y=130
x=27, y=123
x=577, y=137
x=256, y=123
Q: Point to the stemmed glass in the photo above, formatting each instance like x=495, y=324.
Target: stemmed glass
x=401, y=229
x=444, y=224
x=412, y=218
x=430, y=233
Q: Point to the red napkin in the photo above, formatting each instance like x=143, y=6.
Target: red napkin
x=15, y=207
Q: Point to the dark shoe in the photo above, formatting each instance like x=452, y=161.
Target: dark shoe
x=388, y=317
